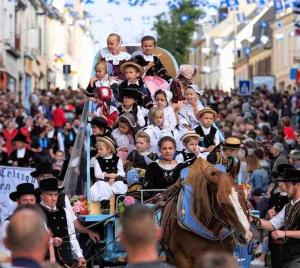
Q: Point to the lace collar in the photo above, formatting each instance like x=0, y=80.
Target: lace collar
x=106, y=54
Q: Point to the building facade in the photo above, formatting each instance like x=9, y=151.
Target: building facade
x=38, y=41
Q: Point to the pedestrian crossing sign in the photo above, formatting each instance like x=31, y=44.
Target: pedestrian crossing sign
x=244, y=87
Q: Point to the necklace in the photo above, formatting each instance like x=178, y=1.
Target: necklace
x=169, y=162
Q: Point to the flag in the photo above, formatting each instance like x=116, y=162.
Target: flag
x=137, y=2
x=232, y=3
x=69, y=4
x=241, y=17
x=117, y=2
x=278, y=7
x=174, y=4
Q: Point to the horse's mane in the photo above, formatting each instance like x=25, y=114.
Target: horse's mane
x=206, y=179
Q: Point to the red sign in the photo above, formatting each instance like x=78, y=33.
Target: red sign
x=298, y=77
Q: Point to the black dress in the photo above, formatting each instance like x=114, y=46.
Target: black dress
x=158, y=178
x=139, y=161
x=158, y=68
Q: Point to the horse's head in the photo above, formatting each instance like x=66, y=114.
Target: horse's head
x=217, y=200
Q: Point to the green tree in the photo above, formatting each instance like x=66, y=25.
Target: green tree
x=175, y=29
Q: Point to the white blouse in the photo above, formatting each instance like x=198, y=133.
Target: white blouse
x=123, y=140
x=170, y=121
x=99, y=174
x=187, y=116
x=106, y=54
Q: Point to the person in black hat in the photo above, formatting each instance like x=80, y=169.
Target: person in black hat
x=278, y=199
x=25, y=194
x=44, y=171
x=289, y=219
x=99, y=129
x=129, y=101
x=60, y=222
x=21, y=156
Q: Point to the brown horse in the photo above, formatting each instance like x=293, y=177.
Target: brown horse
x=216, y=204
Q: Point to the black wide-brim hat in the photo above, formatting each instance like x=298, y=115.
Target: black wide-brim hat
x=99, y=122
x=131, y=93
x=49, y=185
x=23, y=189
x=44, y=168
x=290, y=175
x=280, y=170
x=20, y=137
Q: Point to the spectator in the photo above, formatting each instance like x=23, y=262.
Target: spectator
x=259, y=178
x=21, y=156
x=27, y=238
x=294, y=158
x=59, y=116
x=60, y=222
x=24, y=195
x=9, y=132
x=140, y=235
x=277, y=151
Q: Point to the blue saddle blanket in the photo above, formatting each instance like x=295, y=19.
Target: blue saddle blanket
x=189, y=221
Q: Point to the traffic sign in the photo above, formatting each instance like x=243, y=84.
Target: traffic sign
x=244, y=87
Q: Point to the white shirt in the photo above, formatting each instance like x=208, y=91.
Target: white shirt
x=279, y=220
x=99, y=174
x=69, y=208
x=21, y=153
x=170, y=120
x=123, y=140
x=179, y=158
x=76, y=250
x=155, y=134
x=61, y=144
x=187, y=116
x=206, y=132
x=140, y=115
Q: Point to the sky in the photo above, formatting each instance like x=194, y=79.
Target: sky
x=131, y=22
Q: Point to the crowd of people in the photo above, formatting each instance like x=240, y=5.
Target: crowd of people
x=147, y=127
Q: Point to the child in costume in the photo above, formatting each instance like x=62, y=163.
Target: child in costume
x=129, y=104
x=139, y=158
x=156, y=75
x=209, y=135
x=156, y=130
x=109, y=172
x=113, y=55
x=124, y=135
x=133, y=73
x=101, y=79
x=226, y=154
x=191, y=151
x=161, y=102
x=104, y=107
